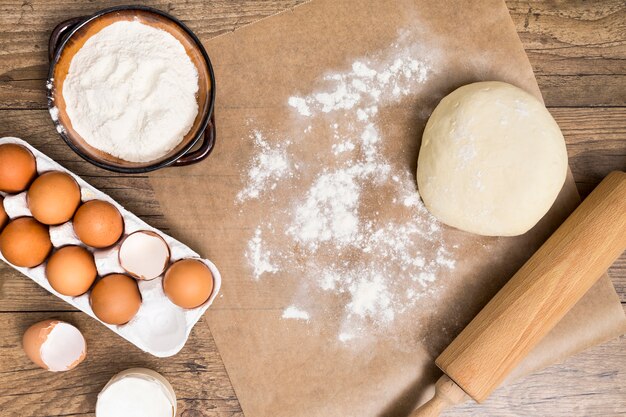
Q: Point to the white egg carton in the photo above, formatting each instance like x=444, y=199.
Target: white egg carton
x=160, y=327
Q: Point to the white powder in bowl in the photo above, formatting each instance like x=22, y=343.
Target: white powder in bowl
x=131, y=91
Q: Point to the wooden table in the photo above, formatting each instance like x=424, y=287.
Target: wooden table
x=578, y=52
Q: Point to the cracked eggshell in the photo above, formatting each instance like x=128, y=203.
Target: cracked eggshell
x=137, y=392
x=54, y=345
x=144, y=255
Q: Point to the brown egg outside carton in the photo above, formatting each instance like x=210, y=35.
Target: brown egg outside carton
x=53, y=197
x=71, y=270
x=25, y=242
x=188, y=283
x=18, y=168
x=98, y=224
x=115, y=299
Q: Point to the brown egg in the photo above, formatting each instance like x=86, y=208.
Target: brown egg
x=54, y=345
x=115, y=299
x=17, y=168
x=53, y=197
x=4, y=218
x=98, y=224
x=188, y=283
x=71, y=270
x=25, y=242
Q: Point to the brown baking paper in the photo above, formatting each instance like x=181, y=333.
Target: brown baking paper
x=282, y=367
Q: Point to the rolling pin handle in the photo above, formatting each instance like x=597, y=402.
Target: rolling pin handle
x=447, y=394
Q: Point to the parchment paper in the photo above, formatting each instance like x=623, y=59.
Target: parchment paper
x=296, y=368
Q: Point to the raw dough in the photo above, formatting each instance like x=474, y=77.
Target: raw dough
x=492, y=160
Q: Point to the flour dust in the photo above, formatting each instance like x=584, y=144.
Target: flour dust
x=360, y=231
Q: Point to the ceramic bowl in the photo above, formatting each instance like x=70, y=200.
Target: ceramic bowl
x=67, y=39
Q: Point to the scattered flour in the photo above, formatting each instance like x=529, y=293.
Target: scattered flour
x=345, y=146
x=329, y=211
x=54, y=113
x=293, y=312
x=300, y=105
x=268, y=166
x=258, y=257
x=363, y=83
x=370, y=296
x=380, y=266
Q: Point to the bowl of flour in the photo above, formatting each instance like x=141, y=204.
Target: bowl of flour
x=131, y=89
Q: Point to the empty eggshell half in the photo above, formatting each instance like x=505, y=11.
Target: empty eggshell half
x=137, y=392
x=54, y=345
x=144, y=255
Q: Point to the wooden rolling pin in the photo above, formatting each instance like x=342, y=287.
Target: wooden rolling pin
x=534, y=300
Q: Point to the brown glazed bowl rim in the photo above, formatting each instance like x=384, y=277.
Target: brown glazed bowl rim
x=206, y=117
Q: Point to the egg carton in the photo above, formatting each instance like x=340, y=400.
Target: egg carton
x=160, y=327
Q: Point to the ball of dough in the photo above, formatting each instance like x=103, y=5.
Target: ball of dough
x=492, y=160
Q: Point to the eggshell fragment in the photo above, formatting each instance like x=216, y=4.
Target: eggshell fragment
x=25, y=242
x=53, y=197
x=115, y=299
x=188, y=283
x=71, y=270
x=98, y=224
x=54, y=345
x=4, y=218
x=17, y=168
x=144, y=255
x=137, y=392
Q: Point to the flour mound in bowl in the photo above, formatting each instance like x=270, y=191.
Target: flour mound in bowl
x=131, y=91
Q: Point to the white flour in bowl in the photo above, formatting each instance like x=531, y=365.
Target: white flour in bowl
x=131, y=91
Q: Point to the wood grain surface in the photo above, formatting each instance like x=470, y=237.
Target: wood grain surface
x=578, y=51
